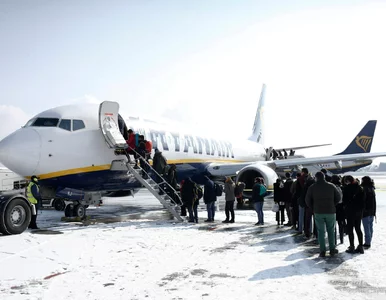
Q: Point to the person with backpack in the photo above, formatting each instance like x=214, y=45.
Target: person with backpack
x=259, y=191
x=229, y=190
x=210, y=198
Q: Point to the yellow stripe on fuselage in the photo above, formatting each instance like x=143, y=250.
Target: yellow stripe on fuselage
x=107, y=167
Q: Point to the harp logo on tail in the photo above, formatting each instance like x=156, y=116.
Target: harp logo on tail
x=363, y=142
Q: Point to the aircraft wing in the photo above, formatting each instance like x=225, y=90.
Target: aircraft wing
x=301, y=147
x=337, y=159
x=230, y=169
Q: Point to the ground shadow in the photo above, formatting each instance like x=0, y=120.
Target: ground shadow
x=302, y=267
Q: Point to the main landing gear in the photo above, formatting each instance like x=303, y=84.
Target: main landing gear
x=75, y=210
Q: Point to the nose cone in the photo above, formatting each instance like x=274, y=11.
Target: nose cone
x=20, y=151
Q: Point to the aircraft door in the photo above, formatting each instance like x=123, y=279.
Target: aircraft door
x=108, y=123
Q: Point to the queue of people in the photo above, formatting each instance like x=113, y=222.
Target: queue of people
x=310, y=204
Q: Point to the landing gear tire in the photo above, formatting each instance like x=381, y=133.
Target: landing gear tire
x=69, y=211
x=15, y=217
x=79, y=211
x=59, y=204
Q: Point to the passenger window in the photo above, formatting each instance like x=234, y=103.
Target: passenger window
x=46, y=122
x=65, y=124
x=77, y=124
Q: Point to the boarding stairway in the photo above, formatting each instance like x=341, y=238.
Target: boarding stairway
x=170, y=198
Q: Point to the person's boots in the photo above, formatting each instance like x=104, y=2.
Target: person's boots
x=359, y=249
x=350, y=249
x=226, y=221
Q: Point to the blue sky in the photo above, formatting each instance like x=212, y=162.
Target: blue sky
x=202, y=55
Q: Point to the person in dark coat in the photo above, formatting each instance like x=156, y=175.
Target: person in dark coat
x=279, y=198
x=354, y=204
x=188, y=194
x=171, y=179
x=370, y=210
x=160, y=166
x=340, y=217
x=288, y=197
x=210, y=198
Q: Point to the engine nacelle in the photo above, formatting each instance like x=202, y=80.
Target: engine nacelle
x=249, y=173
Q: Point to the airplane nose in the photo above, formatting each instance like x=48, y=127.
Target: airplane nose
x=20, y=151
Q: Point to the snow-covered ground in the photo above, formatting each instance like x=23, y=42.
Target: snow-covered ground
x=132, y=250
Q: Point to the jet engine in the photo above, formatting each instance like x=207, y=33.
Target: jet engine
x=250, y=172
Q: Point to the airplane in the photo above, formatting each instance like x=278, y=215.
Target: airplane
x=361, y=143
x=78, y=147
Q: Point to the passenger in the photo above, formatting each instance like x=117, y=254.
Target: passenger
x=229, y=190
x=275, y=154
x=198, y=195
x=131, y=141
x=308, y=181
x=149, y=148
x=370, y=210
x=142, y=162
x=354, y=203
x=159, y=165
x=340, y=217
x=322, y=197
x=327, y=177
x=279, y=197
x=239, y=189
x=258, y=193
x=295, y=192
x=210, y=198
x=285, y=154
x=288, y=197
x=183, y=207
x=172, y=181
x=188, y=196
x=33, y=196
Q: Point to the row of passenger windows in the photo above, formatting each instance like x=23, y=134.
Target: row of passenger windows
x=53, y=122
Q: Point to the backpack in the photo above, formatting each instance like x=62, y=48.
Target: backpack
x=198, y=193
x=217, y=189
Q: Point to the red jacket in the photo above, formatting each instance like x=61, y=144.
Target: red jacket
x=131, y=141
x=149, y=146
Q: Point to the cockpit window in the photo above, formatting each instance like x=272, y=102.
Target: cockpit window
x=77, y=124
x=29, y=123
x=65, y=124
x=46, y=122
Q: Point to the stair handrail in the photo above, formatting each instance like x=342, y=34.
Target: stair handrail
x=157, y=174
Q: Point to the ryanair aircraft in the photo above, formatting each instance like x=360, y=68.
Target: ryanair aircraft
x=73, y=148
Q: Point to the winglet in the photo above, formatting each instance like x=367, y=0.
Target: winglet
x=258, y=126
x=363, y=140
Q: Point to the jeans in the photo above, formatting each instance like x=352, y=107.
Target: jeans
x=211, y=209
x=259, y=210
x=368, y=228
x=322, y=221
x=301, y=219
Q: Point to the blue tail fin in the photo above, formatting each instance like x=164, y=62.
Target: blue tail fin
x=363, y=141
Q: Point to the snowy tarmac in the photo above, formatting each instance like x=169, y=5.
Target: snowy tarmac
x=132, y=250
